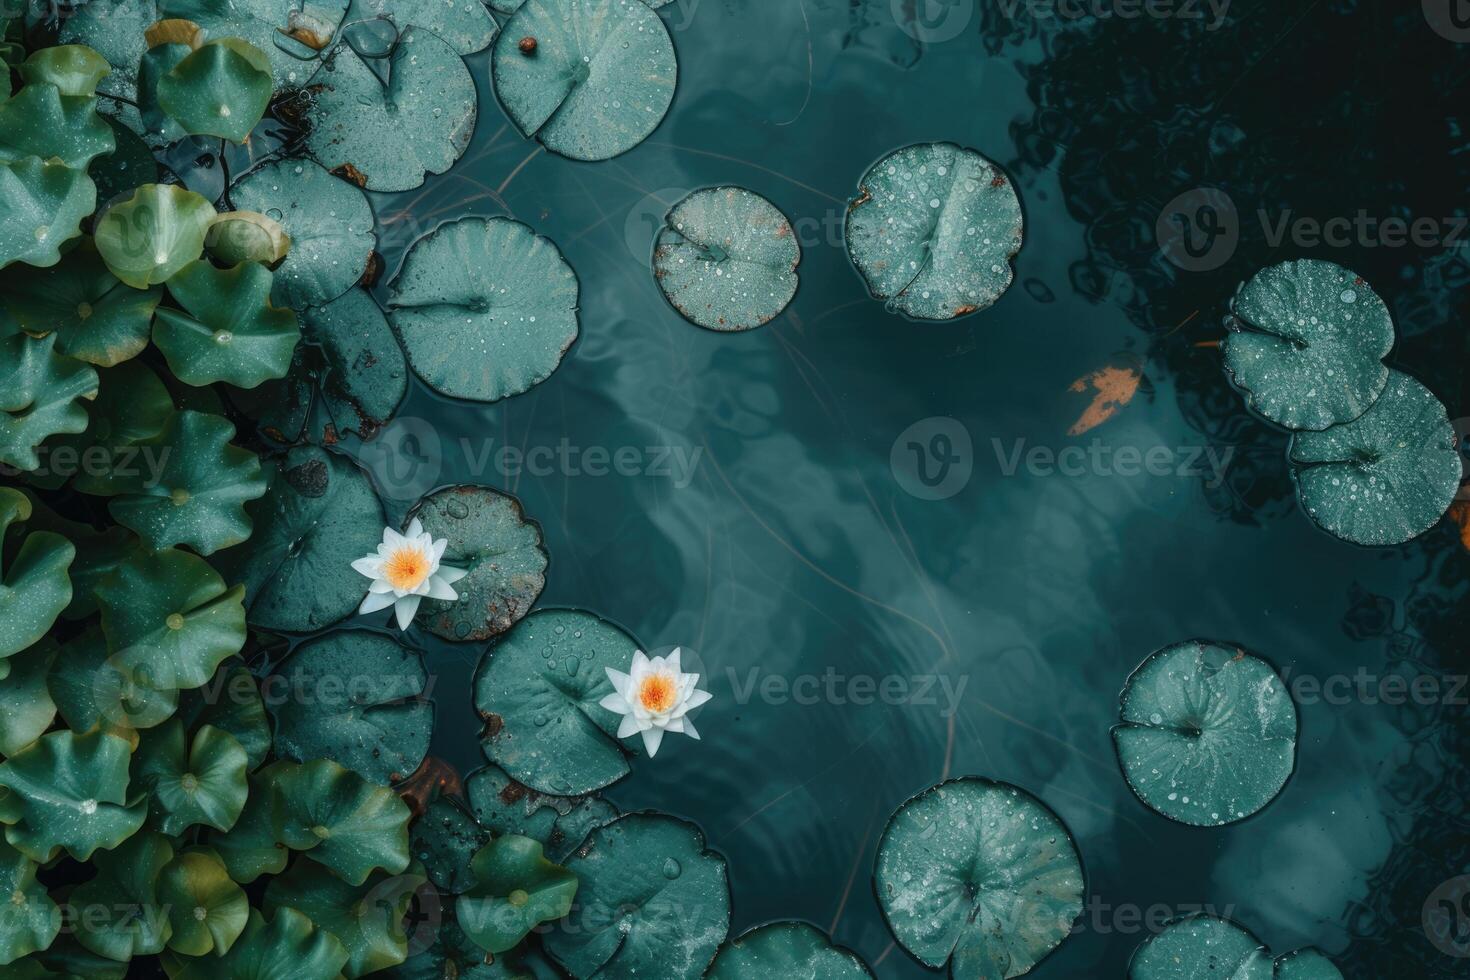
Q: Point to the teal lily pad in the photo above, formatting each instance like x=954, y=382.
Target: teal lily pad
x=1306, y=964
x=35, y=587
x=191, y=782
x=26, y=707
x=358, y=362
x=39, y=121
x=786, y=949
x=419, y=123
x=516, y=889
x=651, y=902
x=933, y=230
x=32, y=920
x=196, y=494
x=171, y=615
x=354, y=698
x=125, y=917
x=206, y=910
x=486, y=308
x=329, y=221
x=68, y=792
x=1306, y=344
x=93, y=691
x=468, y=27
x=1208, y=733
x=222, y=88
x=252, y=848
x=98, y=552
x=367, y=918
x=289, y=945
x=126, y=168
x=153, y=234
x=445, y=838
x=115, y=31
x=289, y=32
x=561, y=823
x=247, y=236
x=319, y=515
x=231, y=702
x=132, y=406
x=981, y=875
x=345, y=822
x=544, y=724
x=74, y=69
x=229, y=331
x=726, y=259
x=1385, y=477
x=41, y=395
x=96, y=318
x=42, y=205
x=490, y=537
x=1201, y=947
x=159, y=128
x=598, y=81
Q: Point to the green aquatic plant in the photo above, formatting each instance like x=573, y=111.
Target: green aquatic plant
x=786, y=949
x=1205, y=946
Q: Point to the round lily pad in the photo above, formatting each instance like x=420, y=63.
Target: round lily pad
x=247, y=236
x=74, y=69
x=543, y=721
x=34, y=587
x=153, y=234
x=419, y=123
x=599, y=79
x=979, y=874
x=1307, y=344
x=503, y=806
x=786, y=949
x=366, y=918
x=353, y=697
x=360, y=367
x=445, y=838
x=42, y=204
x=221, y=88
x=229, y=330
x=468, y=27
x=206, y=910
x=726, y=259
x=346, y=823
x=32, y=920
x=190, y=783
x=1208, y=733
x=651, y=902
x=1201, y=947
x=933, y=230
x=289, y=32
x=69, y=792
x=1306, y=964
x=41, y=395
x=328, y=219
x=516, y=889
x=287, y=946
x=491, y=538
x=1385, y=477
x=486, y=308
x=26, y=707
x=39, y=121
x=125, y=917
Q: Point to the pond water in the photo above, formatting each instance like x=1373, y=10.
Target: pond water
x=763, y=522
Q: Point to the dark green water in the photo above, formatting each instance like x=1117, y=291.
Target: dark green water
x=790, y=547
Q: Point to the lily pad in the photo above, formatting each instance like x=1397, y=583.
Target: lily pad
x=93, y=691
x=358, y=362
x=124, y=916
x=26, y=708
x=287, y=946
x=786, y=949
x=319, y=514
x=289, y=32
x=115, y=31
x=125, y=169
x=543, y=722
x=252, y=847
x=726, y=259
x=651, y=902
x=1385, y=477
x=206, y=910
x=979, y=874
x=41, y=395
x=230, y=331
x=516, y=889
x=1208, y=733
x=247, y=236
x=153, y=234
x=503, y=806
x=98, y=553
x=329, y=221
x=366, y=918
x=598, y=81
x=42, y=205
x=346, y=823
x=39, y=121
x=933, y=230
x=68, y=792
x=35, y=587
x=159, y=128
x=1307, y=344
x=419, y=123
x=231, y=702
x=1201, y=948
x=490, y=537
x=171, y=615
x=32, y=920
x=445, y=838
x=222, y=88
x=486, y=308
x=1306, y=964
x=468, y=27
x=74, y=69
x=191, y=783
x=354, y=698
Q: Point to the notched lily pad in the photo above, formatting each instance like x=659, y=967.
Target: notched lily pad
x=191, y=782
x=1208, y=733
x=221, y=88
x=516, y=889
x=1203, y=947
x=69, y=792
x=287, y=946
x=42, y=205
x=347, y=824
x=124, y=915
x=39, y=121
x=41, y=395
x=561, y=823
x=786, y=949
x=445, y=839
x=228, y=330
x=34, y=586
x=206, y=910
x=153, y=234
x=367, y=918
x=933, y=231
x=468, y=27
x=32, y=920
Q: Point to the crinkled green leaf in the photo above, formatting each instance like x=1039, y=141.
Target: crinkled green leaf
x=347, y=824
x=444, y=838
x=231, y=702
x=121, y=915
x=41, y=395
x=132, y=406
x=74, y=69
x=35, y=587
x=153, y=234
x=252, y=848
x=68, y=792
x=516, y=889
x=229, y=331
x=220, y=89
x=159, y=128
x=786, y=949
x=26, y=708
x=189, y=783
x=94, y=691
x=206, y=910
x=288, y=946
x=98, y=552
x=39, y=121
x=367, y=918
x=247, y=236
x=42, y=205
x=1201, y=947
x=31, y=920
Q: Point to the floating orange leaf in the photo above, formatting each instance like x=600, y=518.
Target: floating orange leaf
x=1113, y=387
x=1460, y=514
x=433, y=778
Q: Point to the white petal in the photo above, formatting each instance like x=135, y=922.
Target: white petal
x=369, y=565
x=621, y=682
x=415, y=528
x=674, y=725
x=651, y=739
x=439, y=547
x=698, y=698
x=673, y=659
x=689, y=729
x=439, y=589
x=405, y=608
x=380, y=586
x=640, y=663
x=628, y=727
x=375, y=601
x=391, y=539
x=615, y=703
x=452, y=575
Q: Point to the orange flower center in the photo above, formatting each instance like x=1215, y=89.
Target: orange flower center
x=406, y=568
x=657, y=693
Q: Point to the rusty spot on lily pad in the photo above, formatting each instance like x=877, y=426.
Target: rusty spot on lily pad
x=433, y=778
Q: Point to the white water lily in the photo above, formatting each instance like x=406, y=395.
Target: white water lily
x=406, y=569
x=653, y=698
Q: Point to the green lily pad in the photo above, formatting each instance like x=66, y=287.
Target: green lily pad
x=503, y=806
x=361, y=369
x=786, y=949
x=198, y=782
x=490, y=537
x=172, y=615
x=67, y=960
x=252, y=847
x=486, y=308
x=366, y=918
x=125, y=169
x=132, y=407
x=933, y=230
x=26, y=708
x=98, y=552
x=651, y=902
x=1208, y=733
x=319, y=515
x=222, y=89
x=231, y=702
x=287, y=946
x=289, y=32
x=544, y=724
x=32, y=920
x=230, y=331
x=468, y=27
x=74, y=69
x=115, y=31
x=1201, y=947
x=329, y=221
x=247, y=236
x=1306, y=344
x=159, y=128
x=35, y=587
x=42, y=205
x=979, y=874
x=39, y=121
x=452, y=954
x=1306, y=964
x=206, y=910
x=68, y=792
x=93, y=691
x=354, y=699
x=394, y=134
x=445, y=838
x=153, y=234
x=726, y=259
x=516, y=889
x=124, y=916
x=1385, y=477
x=41, y=395
x=96, y=318
x=346, y=823
x=598, y=81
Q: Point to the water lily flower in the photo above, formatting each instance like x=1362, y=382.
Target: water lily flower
x=653, y=698
x=406, y=569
